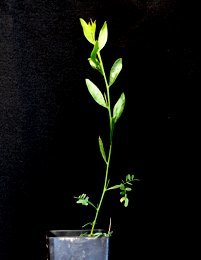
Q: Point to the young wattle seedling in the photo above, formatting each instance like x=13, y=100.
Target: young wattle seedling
x=103, y=98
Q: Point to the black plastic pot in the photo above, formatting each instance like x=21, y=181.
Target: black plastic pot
x=69, y=245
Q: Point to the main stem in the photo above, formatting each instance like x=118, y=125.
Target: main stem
x=110, y=147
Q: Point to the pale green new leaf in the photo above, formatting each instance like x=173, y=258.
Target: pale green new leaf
x=95, y=93
x=122, y=199
x=89, y=30
x=115, y=70
x=119, y=107
x=103, y=35
x=102, y=150
x=125, y=200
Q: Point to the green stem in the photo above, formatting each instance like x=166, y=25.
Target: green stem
x=103, y=192
x=110, y=147
x=108, y=96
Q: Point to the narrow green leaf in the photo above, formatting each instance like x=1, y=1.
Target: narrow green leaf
x=114, y=187
x=126, y=202
x=98, y=234
x=94, y=62
x=128, y=177
x=115, y=70
x=133, y=177
x=89, y=30
x=119, y=107
x=103, y=35
x=95, y=93
x=95, y=50
x=102, y=150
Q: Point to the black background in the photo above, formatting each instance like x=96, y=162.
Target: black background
x=49, y=124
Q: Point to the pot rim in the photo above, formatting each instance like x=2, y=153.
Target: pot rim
x=69, y=232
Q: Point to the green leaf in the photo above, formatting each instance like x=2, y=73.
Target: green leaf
x=122, y=186
x=102, y=150
x=94, y=62
x=114, y=187
x=89, y=30
x=119, y=107
x=126, y=202
x=122, y=199
x=98, y=234
x=130, y=178
x=95, y=93
x=115, y=70
x=103, y=35
x=94, y=51
x=102, y=234
x=83, y=199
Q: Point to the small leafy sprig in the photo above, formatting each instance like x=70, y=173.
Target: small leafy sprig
x=103, y=98
x=124, y=187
